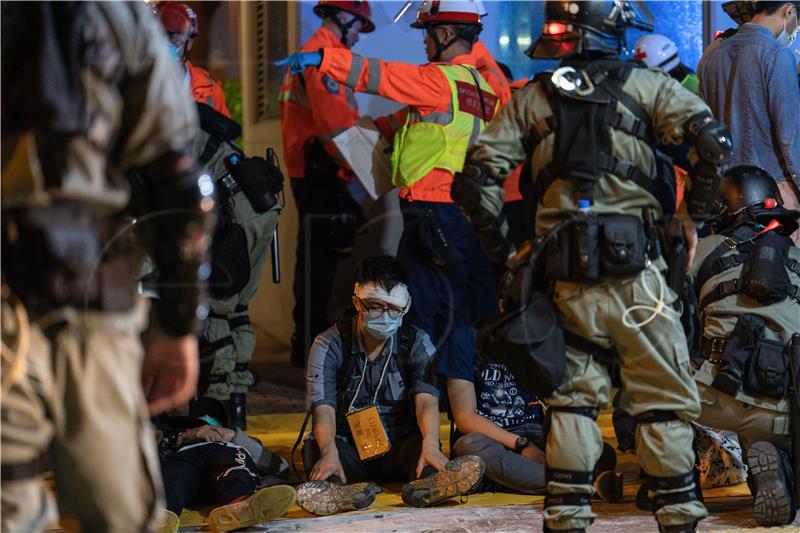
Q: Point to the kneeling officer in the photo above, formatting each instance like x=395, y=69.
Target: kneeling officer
x=747, y=276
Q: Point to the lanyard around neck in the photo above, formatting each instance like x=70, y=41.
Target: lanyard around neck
x=361, y=382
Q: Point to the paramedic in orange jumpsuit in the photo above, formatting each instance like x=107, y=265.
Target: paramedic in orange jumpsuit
x=180, y=23
x=443, y=258
x=314, y=108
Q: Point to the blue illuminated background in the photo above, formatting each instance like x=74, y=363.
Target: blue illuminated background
x=510, y=27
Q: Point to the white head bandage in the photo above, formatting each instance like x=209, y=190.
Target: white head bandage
x=398, y=296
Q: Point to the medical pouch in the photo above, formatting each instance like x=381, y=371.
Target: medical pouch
x=767, y=370
x=368, y=433
x=622, y=246
x=764, y=276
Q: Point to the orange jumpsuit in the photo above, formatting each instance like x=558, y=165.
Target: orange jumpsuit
x=206, y=89
x=313, y=105
x=424, y=88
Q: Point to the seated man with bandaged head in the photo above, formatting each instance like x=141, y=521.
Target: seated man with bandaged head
x=375, y=406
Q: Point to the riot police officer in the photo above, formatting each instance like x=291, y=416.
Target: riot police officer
x=747, y=275
x=249, y=206
x=588, y=130
x=92, y=95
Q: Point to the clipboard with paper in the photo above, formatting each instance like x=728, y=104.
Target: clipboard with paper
x=368, y=154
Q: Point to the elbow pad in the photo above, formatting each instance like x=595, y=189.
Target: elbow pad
x=181, y=209
x=480, y=197
x=712, y=143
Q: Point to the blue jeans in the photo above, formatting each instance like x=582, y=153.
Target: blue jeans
x=446, y=302
x=506, y=467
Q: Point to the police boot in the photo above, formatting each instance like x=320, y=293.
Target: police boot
x=237, y=410
x=770, y=481
x=608, y=483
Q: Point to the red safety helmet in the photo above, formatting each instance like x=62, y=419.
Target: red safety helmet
x=449, y=12
x=175, y=15
x=359, y=9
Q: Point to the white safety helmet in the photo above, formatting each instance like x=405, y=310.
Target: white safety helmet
x=449, y=12
x=657, y=51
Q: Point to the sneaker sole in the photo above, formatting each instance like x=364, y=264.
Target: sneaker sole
x=771, y=505
x=330, y=504
x=462, y=484
x=263, y=506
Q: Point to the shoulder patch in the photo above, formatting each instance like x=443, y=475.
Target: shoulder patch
x=331, y=85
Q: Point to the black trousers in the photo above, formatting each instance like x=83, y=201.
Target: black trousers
x=399, y=465
x=212, y=473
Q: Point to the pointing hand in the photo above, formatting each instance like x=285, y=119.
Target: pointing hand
x=300, y=61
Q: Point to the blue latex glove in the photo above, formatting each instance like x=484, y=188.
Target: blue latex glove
x=300, y=61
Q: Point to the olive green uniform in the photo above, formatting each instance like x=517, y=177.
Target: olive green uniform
x=78, y=397
x=654, y=359
x=752, y=418
x=228, y=334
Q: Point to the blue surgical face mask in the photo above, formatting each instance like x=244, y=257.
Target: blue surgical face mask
x=175, y=51
x=382, y=327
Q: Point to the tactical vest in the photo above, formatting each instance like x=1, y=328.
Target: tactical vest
x=765, y=265
x=441, y=139
x=582, y=150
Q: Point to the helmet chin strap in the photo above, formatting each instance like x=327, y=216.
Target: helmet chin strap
x=344, y=27
x=439, y=46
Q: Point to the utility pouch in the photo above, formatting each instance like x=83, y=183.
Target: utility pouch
x=764, y=276
x=259, y=179
x=557, y=257
x=767, y=370
x=52, y=257
x=738, y=348
x=623, y=250
x=368, y=433
x=584, y=250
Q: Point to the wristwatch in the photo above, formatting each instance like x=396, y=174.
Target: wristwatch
x=520, y=444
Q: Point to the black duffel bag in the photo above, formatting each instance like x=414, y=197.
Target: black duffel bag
x=527, y=337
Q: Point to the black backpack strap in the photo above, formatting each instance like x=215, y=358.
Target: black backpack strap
x=407, y=337
x=297, y=443
x=710, y=268
x=611, y=86
x=723, y=290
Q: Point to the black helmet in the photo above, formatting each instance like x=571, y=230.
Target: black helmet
x=750, y=194
x=573, y=28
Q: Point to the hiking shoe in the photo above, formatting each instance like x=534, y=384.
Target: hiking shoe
x=263, y=506
x=608, y=486
x=169, y=522
x=458, y=478
x=772, y=501
x=325, y=498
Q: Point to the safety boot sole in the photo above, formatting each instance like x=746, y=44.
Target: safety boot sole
x=458, y=478
x=324, y=498
x=263, y=506
x=771, y=501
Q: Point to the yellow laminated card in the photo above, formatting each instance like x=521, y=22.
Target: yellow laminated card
x=368, y=433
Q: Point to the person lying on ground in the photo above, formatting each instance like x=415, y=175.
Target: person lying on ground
x=203, y=462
